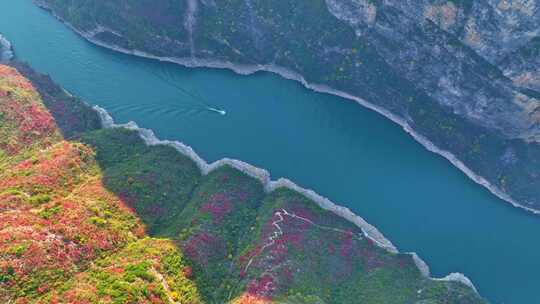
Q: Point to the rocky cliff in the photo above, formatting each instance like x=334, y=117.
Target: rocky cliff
x=459, y=75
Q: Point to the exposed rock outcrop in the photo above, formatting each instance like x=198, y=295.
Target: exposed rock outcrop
x=6, y=50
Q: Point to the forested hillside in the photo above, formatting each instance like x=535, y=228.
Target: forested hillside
x=92, y=215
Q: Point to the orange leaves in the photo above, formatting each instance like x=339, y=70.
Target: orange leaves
x=37, y=121
x=248, y=298
x=13, y=77
x=6, y=71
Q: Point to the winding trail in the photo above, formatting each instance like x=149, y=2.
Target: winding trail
x=164, y=284
x=278, y=232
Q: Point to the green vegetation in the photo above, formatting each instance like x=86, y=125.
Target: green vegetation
x=99, y=217
x=146, y=271
x=156, y=181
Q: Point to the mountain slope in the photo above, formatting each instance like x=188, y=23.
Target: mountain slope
x=91, y=215
x=56, y=216
x=455, y=73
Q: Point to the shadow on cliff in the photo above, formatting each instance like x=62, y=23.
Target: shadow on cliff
x=159, y=184
x=155, y=181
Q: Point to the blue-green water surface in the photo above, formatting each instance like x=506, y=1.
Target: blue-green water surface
x=351, y=155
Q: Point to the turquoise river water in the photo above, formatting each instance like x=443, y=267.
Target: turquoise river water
x=353, y=156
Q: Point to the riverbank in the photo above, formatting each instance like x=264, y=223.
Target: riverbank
x=285, y=73
x=270, y=185
x=411, y=195
x=273, y=230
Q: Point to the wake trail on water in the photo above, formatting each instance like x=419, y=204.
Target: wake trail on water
x=167, y=77
x=221, y=112
x=149, y=109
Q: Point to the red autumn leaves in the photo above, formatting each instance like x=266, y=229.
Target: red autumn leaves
x=25, y=121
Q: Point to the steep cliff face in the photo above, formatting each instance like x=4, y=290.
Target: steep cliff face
x=493, y=28
x=437, y=43
x=459, y=73
x=523, y=66
x=92, y=215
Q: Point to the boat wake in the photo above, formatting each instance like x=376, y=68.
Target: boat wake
x=221, y=112
x=167, y=77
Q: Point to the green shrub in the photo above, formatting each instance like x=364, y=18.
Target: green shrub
x=39, y=199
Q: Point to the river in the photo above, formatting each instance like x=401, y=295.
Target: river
x=352, y=155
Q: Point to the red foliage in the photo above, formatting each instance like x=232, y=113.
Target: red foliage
x=66, y=238
x=218, y=205
x=37, y=121
x=331, y=249
x=370, y=259
x=43, y=288
x=247, y=298
x=188, y=272
x=370, y=242
x=203, y=246
x=262, y=287
x=346, y=244
x=14, y=78
x=54, y=170
x=128, y=199
x=32, y=123
x=244, y=259
x=117, y=270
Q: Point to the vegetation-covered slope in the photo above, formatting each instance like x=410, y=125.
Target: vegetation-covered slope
x=61, y=229
x=455, y=72
x=91, y=215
